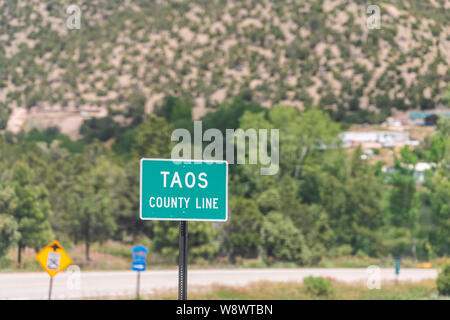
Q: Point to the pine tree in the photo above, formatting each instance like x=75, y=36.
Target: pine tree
x=33, y=210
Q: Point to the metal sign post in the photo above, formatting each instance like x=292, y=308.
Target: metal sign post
x=50, y=289
x=182, y=261
x=138, y=285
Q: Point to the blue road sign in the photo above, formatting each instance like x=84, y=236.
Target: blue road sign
x=139, y=253
x=139, y=256
x=138, y=266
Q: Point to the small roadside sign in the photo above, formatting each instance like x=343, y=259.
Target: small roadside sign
x=53, y=258
x=138, y=264
x=139, y=256
x=139, y=253
x=397, y=266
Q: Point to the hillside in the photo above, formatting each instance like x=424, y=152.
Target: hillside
x=299, y=53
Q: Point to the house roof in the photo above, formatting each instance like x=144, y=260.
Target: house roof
x=421, y=115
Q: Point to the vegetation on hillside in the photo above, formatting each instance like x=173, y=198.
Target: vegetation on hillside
x=300, y=53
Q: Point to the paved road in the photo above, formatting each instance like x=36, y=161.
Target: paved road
x=123, y=283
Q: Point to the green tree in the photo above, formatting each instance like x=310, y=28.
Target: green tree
x=352, y=201
x=102, y=129
x=176, y=111
x=443, y=281
x=320, y=236
x=93, y=201
x=440, y=206
x=290, y=202
x=443, y=126
x=4, y=115
x=152, y=139
x=404, y=199
x=446, y=97
x=201, y=240
x=282, y=240
x=300, y=134
x=33, y=210
x=439, y=149
x=228, y=114
x=9, y=233
x=165, y=241
x=136, y=108
x=269, y=200
x=202, y=243
x=8, y=200
x=242, y=233
x=364, y=190
x=128, y=222
x=438, y=146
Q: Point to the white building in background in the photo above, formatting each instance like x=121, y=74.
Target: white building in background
x=427, y=118
x=419, y=169
x=383, y=139
x=393, y=124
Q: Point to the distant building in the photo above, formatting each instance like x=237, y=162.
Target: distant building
x=431, y=120
x=376, y=138
x=426, y=118
x=419, y=170
x=392, y=123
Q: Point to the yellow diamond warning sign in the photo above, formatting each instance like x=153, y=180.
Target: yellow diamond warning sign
x=53, y=258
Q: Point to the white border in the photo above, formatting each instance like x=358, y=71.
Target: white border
x=183, y=160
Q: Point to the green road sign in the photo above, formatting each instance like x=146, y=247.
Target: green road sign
x=184, y=190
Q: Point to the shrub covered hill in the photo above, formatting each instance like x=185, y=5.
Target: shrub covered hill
x=294, y=52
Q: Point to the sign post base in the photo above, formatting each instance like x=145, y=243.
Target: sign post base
x=182, y=261
x=50, y=287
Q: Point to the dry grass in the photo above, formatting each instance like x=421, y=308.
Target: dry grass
x=419, y=132
x=113, y=255
x=103, y=257
x=296, y=291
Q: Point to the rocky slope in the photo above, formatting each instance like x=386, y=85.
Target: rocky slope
x=294, y=52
